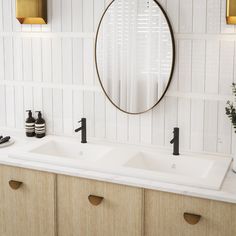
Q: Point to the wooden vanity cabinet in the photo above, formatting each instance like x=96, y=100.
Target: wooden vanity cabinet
x=164, y=216
x=27, y=202
x=34, y=203
x=93, y=208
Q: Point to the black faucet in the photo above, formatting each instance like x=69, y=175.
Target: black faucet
x=83, y=130
x=175, y=141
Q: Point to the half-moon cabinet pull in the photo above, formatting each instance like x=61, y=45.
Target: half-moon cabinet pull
x=95, y=200
x=15, y=184
x=192, y=219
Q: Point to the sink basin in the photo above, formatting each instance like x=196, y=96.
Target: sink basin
x=71, y=150
x=189, y=167
x=207, y=171
x=64, y=153
x=192, y=170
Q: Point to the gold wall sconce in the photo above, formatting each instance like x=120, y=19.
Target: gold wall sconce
x=231, y=12
x=31, y=11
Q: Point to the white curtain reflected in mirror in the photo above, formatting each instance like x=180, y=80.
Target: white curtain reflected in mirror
x=134, y=54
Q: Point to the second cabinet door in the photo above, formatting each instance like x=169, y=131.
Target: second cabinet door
x=92, y=208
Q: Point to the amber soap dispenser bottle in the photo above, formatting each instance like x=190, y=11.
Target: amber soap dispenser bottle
x=40, y=126
x=30, y=125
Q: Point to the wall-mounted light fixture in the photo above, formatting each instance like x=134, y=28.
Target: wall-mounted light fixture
x=231, y=12
x=31, y=11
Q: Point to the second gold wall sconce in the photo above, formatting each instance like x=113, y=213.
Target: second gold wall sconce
x=231, y=12
x=31, y=11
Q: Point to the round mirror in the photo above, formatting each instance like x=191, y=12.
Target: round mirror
x=134, y=54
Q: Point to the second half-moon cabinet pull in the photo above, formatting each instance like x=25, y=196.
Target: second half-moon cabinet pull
x=15, y=184
x=95, y=200
x=192, y=219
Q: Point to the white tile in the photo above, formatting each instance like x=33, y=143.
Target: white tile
x=173, y=12
x=68, y=112
x=57, y=112
x=171, y=118
x=88, y=16
x=199, y=16
x=27, y=59
x=77, y=15
x=226, y=67
x=212, y=66
x=158, y=124
x=184, y=122
x=66, y=13
x=100, y=115
x=2, y=106
x=198, y=66
x=37, y=59
x=224, y=129
x=48, y=109
x=213, y=16
x=56, y=60
x=186, y=16
x=89, y=112
x=8, y=60
x=18, y=62
x=210, y=126
x=67, y=61
x=47, y=60
x=197, y=125
x=19, y=107
x=10, y=106
x=185, y=57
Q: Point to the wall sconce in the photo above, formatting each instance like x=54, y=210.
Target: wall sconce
x=231, y=12
x=31, y=11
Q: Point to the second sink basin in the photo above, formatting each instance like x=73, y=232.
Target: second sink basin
x=191, y=167
x=187, y=169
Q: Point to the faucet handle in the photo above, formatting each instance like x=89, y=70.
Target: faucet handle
x=176, y=129
x=81, y=120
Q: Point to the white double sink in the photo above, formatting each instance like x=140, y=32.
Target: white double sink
x=192, y=170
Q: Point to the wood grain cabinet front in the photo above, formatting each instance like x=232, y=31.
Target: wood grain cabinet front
x=177, y=215
x=92, y=208
x=27, y=202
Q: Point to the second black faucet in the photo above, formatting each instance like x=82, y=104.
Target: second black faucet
x=83, y=130
x=175, y=141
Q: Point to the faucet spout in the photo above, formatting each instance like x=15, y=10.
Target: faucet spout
x=172, y=141
x=77, y=130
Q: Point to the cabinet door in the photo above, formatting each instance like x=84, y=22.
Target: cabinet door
x=27, y=205
x=164, y=216
x=117, y=213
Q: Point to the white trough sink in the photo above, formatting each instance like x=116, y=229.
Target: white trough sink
x=156, y=165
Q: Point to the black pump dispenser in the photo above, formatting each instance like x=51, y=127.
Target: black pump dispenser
x=30, y=125
x=40, y=126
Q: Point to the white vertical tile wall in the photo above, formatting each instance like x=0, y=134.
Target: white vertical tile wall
x=51, y=68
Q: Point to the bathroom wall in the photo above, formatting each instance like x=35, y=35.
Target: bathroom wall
x=51, y=68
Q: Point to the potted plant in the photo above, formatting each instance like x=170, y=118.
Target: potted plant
x=231, y=113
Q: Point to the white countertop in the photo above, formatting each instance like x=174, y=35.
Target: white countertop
x=227, y=193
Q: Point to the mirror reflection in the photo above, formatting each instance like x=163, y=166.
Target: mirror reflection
x=134, y=54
